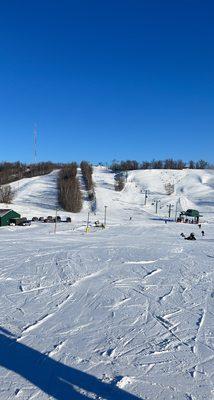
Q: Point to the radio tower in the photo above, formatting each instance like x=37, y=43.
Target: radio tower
x=35, y=143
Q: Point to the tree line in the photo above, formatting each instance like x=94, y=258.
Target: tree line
x=69, y=194
x=13, y=171
x=87, y=171
x=169, y=163
x=120, y=181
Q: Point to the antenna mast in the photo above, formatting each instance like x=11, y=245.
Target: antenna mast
x=35, y=143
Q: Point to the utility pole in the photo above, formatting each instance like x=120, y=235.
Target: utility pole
x=105, y=215
x=146, y=196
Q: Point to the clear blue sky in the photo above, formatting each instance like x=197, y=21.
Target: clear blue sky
x=107, y=80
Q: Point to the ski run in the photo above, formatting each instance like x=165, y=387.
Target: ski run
x=125, y=312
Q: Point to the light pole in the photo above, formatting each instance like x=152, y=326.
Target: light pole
x=88, y=220
x=87, y=226
x=105, y=215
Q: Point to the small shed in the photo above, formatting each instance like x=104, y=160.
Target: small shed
x=192, y=213
x=6, y=215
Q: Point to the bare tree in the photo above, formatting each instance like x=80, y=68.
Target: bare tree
x=6, y=194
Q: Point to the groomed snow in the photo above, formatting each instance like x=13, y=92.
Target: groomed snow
x=120, y=313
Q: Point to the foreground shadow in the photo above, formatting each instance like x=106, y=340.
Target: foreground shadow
x=52, y=377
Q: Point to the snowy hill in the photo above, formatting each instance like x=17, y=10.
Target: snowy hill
x=122, y=313
x=192, y=189
x=36, y=194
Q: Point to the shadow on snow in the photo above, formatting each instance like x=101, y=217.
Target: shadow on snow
x=52, y=377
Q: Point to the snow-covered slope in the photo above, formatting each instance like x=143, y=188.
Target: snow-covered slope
x=36, y=194
x=122, y=313
x=192, y=189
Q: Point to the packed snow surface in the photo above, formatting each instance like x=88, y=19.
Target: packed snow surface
x=124, y=312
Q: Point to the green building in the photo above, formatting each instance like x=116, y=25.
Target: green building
x=6, y=215
x=194, y=214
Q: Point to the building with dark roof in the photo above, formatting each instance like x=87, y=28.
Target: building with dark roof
x=6, y=215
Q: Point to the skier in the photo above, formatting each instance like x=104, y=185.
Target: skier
x=191, y=237
x=202, y=233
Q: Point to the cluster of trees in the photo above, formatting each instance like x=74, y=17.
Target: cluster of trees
x=170, y=188
x=119, y=184
x=159, y=164
x=120, y=181
x=128, y=165
x=69, y=194
x=87, y=172
x=6, y=194
x=14, y=171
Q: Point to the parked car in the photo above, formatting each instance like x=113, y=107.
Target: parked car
x=20, y=221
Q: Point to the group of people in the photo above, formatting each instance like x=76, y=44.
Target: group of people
x=192, y=235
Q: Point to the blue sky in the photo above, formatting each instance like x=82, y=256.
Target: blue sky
x=107, y=80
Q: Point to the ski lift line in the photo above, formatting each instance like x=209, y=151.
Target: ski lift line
x=170, y=206
x=146, y=196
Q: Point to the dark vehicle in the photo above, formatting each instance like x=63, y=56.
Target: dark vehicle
x=20, y=221
x=26, y=223
x=35, y=219
x=41, y=219
x=49, y=219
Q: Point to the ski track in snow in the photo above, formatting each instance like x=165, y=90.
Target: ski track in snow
x=131, y=305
